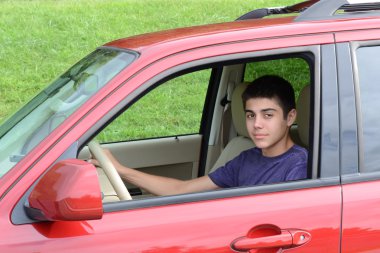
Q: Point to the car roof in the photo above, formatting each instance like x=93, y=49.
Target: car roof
x=204, y=35
x=139, y=42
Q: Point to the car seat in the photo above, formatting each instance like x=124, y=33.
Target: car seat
x=242, y=141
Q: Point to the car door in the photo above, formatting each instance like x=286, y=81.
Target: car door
x=300, y=216
x=359, y=92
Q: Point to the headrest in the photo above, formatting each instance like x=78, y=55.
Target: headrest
x=303, y=115
x=237, y=109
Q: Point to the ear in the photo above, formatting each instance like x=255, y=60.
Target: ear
x=292, y=115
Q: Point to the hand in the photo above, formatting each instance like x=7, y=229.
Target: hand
x=105, y=159
x=94, y=162
x=113, y=160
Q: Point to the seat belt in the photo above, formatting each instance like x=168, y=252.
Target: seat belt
x=225, y=124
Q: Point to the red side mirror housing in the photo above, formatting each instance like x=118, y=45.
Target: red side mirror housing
x=70, y=190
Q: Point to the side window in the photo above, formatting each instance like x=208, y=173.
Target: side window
x=368, y=62
x=297, y=70
x=174, y=108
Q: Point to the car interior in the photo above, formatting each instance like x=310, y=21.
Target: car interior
x=185, y=156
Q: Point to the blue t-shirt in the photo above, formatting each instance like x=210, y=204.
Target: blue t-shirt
x=252, y=168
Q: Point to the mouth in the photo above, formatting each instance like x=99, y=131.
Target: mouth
x=259, y=136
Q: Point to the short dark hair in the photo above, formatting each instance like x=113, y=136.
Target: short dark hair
x=271, y=86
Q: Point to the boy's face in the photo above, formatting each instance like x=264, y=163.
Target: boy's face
x=267, y=126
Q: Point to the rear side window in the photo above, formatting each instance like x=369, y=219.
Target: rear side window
x=368, y=62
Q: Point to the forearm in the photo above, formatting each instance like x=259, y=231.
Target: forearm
x=154, y=184
x=158, y=185
x=161, y=186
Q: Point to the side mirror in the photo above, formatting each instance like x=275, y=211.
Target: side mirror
x=69, y=191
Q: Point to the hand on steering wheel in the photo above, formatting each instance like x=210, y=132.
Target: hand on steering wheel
x=110, y=171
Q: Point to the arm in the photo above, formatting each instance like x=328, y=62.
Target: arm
x=158, y=185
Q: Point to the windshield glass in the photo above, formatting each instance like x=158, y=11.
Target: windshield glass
x=39, y=117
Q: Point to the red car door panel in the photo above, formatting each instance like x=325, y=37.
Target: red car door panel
x=203, y=226
x=361, y=224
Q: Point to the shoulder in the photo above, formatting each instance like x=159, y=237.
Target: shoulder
x=296, y=155
x=297, y=151
x=297, y=163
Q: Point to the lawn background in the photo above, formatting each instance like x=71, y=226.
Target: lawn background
x=41, y=39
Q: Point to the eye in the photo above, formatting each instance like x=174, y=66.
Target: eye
x=250, y=115
x=268, y=115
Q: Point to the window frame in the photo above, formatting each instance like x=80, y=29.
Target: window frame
x=327, y=179
x=358, y=174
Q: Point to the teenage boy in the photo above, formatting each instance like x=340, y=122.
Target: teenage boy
x=269, y=106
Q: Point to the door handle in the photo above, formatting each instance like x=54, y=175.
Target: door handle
x=268, y=236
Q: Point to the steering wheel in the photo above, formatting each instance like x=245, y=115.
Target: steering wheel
x=110, y=170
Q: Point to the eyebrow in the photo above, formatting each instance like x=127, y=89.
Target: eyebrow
x=263, y=110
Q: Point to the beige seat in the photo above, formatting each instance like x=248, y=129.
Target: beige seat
x=242, y=141
x=300, y=132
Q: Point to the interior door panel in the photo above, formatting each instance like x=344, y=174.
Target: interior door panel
x=176, y=157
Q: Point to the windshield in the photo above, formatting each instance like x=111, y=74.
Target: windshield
x=39, y=117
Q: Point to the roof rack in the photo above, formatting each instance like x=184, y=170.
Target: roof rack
x=330, y=9
x=320, y=9
x=260, y=13
x=360, y=7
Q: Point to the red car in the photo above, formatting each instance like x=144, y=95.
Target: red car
x=165, y=103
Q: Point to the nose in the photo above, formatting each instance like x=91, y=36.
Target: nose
x=257, y=122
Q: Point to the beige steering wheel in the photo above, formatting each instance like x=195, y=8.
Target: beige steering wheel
x=110, y=170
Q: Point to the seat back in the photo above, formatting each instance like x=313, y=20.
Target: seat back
x=241, y=142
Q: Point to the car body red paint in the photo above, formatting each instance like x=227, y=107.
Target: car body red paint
x=322, y=214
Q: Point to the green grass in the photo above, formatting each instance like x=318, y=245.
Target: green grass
x=295, y=70
x=40, y=39
x=173, y=108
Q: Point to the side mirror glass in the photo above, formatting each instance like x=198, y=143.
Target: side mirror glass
x=70, y=190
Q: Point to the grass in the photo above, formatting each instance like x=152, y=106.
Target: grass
x=173, y=108
x=40, y=39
